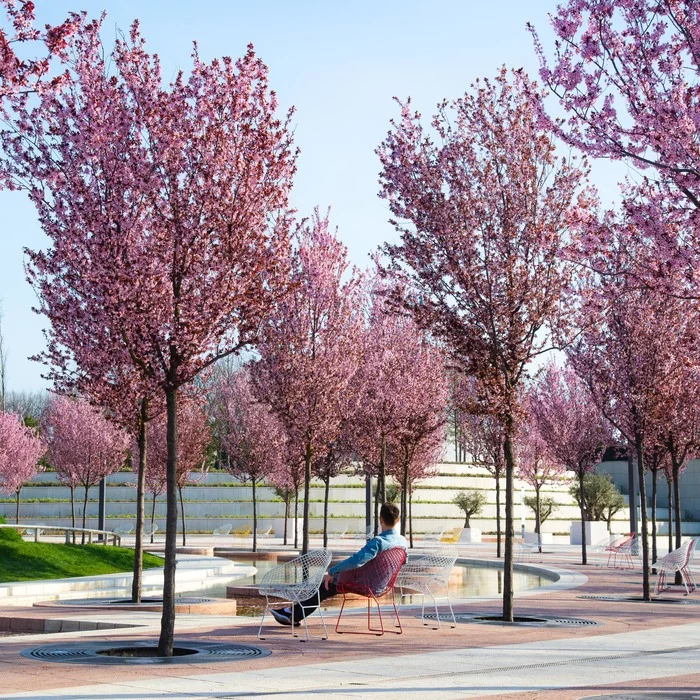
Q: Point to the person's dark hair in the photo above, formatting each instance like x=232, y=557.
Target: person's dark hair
x=389, y=513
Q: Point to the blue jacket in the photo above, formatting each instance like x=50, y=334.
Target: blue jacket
x=384, y=540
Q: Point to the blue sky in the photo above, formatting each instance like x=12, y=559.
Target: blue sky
x=339, y=64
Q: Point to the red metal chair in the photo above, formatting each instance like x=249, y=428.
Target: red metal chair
x=373, y=581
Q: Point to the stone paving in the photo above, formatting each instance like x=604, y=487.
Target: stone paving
x=636, y=649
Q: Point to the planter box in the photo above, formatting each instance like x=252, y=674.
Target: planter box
x=471, y=535
x=596, y=530
x=532, y=538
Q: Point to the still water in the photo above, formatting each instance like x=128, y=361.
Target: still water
x=465, y=582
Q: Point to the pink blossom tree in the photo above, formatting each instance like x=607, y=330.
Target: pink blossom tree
x=535, y=464
x=481, y=437
x=571, y=425
x=483, y=208
x=626, y=73
x=309, y=351
x=626, y=352
x=252, y=437
x=19, y=75
x=83, y=446
x=327, y=465
x=678, y=414
x=183, y=190
x=20, y=451
x=395, y=376
x=656, y=460
x=421, y=432
x=414, y=454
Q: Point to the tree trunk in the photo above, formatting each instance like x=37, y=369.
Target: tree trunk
x=677, y=512
x=643, y=508
x=376, y=508
x=17, y=508
x=255, y=518
x=410, y=517
x=307, y=496
x=296, y=519
x=72, y=509
x=404, y=493
x=286, y=518
x=498, y=517
x=381, y=480
x=326, y=495
x=670, y=513
x=153, y=516
x=654, y=552
x=584, y=559
x=85, y=505
x=508, y=561
x=140, y=504
x=538, y=519
x=182, y=517
x=167, y=623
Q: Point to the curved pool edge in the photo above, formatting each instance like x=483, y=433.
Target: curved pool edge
x=562, y=579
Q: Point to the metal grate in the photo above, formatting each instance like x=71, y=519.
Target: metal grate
x=639, y=599
x=642, y=695
x=110, y=653
x=520, y=620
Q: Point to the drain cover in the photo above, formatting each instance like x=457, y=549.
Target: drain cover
x=639, y=599
x=520, y=620
x=645, y=696
x=183, y=600
x=109, y=653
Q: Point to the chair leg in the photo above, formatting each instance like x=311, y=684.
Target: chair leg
x=435, y=605
x=449, y=603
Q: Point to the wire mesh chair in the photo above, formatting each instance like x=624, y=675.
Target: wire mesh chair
x=295, y=582
x=676, y=561
x=373, y=581
x=623, y=548
x=430, y=574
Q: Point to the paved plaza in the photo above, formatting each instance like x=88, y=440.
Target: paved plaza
x=636, y=649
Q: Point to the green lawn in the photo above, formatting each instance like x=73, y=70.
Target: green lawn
x=31, y=561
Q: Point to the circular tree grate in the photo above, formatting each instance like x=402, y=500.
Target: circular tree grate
x=520, y=620
x=141, y=652
x=642, y=695
x=639, y=599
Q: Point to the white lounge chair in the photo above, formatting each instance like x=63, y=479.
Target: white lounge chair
x=676, y=561
x=430, y=574
x=295, y=582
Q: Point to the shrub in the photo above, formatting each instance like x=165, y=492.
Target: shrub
x=547, y=506
x=471, y=502
x=600, y=496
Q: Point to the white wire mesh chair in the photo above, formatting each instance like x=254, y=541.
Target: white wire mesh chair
x=295, y=582
x=430, y=574
x=676, y=561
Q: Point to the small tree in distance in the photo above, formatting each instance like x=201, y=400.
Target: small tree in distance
x=601, y=499
x=572, y=427
x=83, y=446
x=20, y=451
x=471, y=503
x=252, y=437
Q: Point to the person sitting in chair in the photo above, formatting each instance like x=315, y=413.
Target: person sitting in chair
x=386, y=539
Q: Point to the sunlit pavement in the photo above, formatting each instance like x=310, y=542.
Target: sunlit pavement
x=635, y=647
